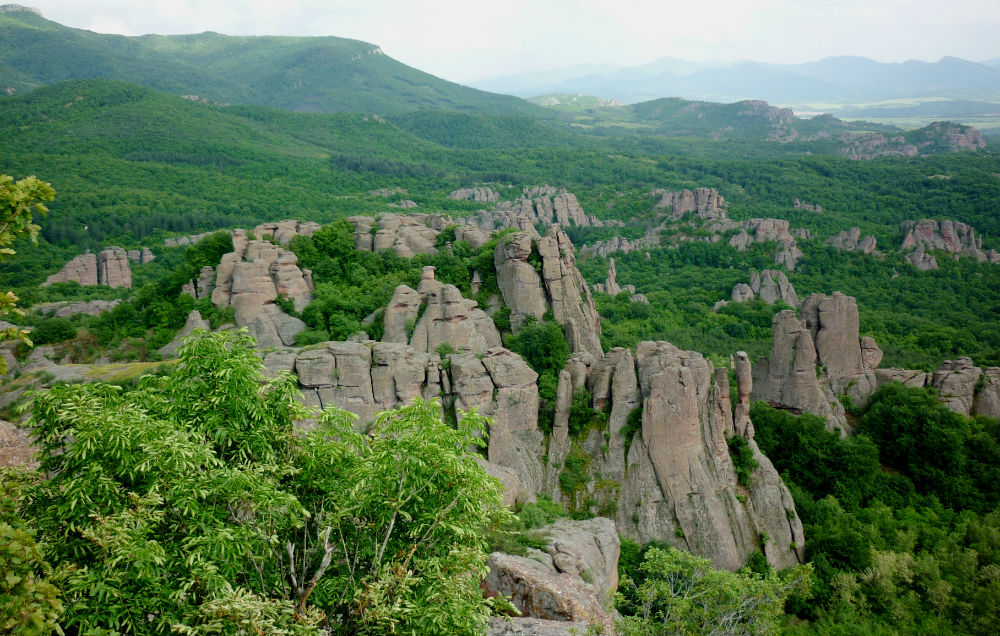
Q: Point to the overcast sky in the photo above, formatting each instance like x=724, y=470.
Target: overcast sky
x=463, y=40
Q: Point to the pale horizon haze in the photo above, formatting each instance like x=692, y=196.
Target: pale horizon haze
x=468, y=40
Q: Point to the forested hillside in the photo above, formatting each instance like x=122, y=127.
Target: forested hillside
x=301, y=74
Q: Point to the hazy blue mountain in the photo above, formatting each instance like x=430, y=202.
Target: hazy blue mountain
x=833, y=80
x=309, y=74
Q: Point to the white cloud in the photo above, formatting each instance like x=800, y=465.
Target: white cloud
x=464, y=39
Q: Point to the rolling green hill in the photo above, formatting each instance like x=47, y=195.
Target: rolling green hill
x=309, y=74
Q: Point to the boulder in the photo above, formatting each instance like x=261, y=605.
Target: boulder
x=250, y=279
x=955, y=381
x=771, y=286
x=81, y=269
x=538, y=590
x=742, y=293
x=850, y=240
x=904, y=376
x=450, y=318
x=194, y=321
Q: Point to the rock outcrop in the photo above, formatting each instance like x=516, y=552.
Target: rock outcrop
x=285, y=231
x=764, y=231
x=950, y=236
x=141, y=256
x=850, y=240
x=818, y=358
x=706, y=203
x=681, y=485
x=611, y=286
x=788, y=379
x=988, y=399
x=65, y=309
x=480, y=195
x=769, y=285
x=112, y=268
x=540, y=206
x=956, y=381
x=573, y=579
x=558, y=286
x=809, y=207
x=448, y=317
x=194, y=321
x=109, y=267
x=81, y=269
x=250, y=278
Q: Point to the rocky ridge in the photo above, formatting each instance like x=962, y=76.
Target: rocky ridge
x=109, y=267
x=920, y=237
x=709, y=218
x=850, y=240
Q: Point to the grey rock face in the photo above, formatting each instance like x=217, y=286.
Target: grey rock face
x=520, y=284
x=539, y=591
x=742, y=293
x=956, y=384
x=903, y=376
x=988, y=399
x=67, y=309
x=588, y=549
x=502, y=626
x=82, y=269
x=680, y=478
x=194, y=321
x=480, y=195
x=834, y=324
x=285, y=231
x=771, y=286
x=251, y=278
x=450, y=318
x=707, y=203
x=113, y=269
x=788, y=379
x=403, y=308
x=850, y=240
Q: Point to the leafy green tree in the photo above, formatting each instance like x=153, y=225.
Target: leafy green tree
x=683, y=594
x=19, y=202
x=192, y=502
x=30, y=604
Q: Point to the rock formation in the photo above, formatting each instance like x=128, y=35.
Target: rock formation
x=558, y=287
x=707, y=203
x=611, y=286
x=65, y=309
x=766, y=230
x=112, y=268
x=573, y=579
x=480, y=195
x=285, y=231
x=988, y=399
x=194, y=321
x=179, y=241
x=810, y=207
x=82, y=269
x=769, y=285
x=788, y=379
x=448, y=317
x=851, y=240
x=250, y=278
x=956, y=381
x=681, y=486
x=141, y=256
x=949, y=236
x=818, y=358
x=539, y=206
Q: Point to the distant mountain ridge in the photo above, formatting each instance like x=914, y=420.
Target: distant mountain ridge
x=306, y=74
x=844, y=79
